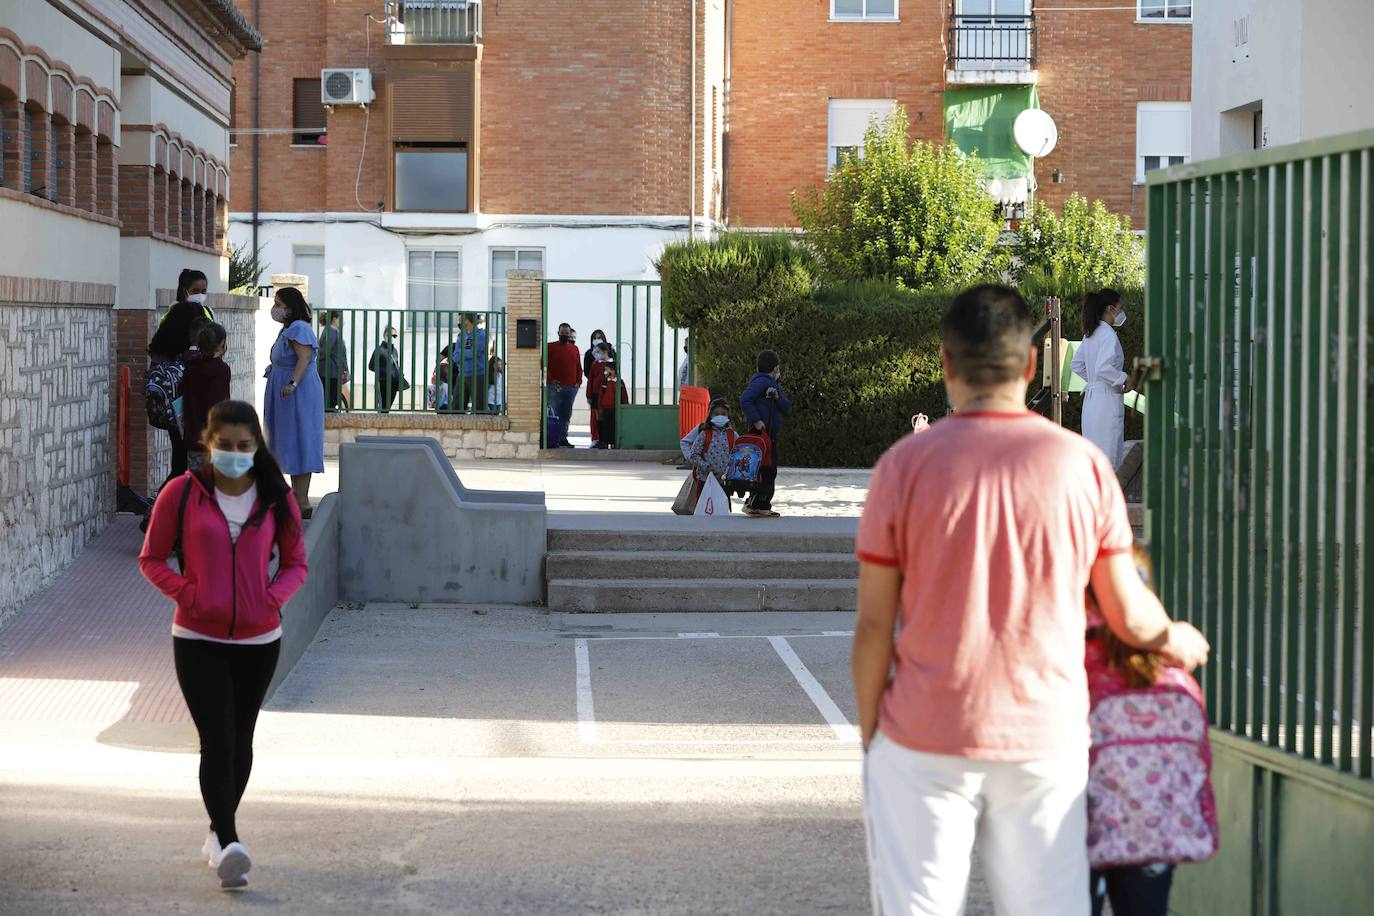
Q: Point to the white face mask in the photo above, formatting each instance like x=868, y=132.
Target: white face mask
x=720, y=422
x=197, y=298
x=278, y=314
x=1120, y=319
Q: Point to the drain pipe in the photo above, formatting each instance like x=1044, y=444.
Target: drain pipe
x=692, y=159
x=257, y=139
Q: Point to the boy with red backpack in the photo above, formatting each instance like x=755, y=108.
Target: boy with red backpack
x=1150, y=803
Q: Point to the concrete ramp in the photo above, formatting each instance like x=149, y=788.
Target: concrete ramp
x=410, y=531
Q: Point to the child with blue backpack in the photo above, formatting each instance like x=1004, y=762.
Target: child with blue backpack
x=1150, y=803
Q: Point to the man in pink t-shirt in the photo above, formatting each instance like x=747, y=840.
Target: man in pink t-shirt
x=979, y=538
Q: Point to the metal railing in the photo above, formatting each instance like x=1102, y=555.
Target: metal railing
x=429, y=22
x=444, y=362
x=992, y=43
x=1259, y=456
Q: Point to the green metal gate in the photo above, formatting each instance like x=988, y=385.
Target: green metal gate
x=648, y=353
x=1258, y=463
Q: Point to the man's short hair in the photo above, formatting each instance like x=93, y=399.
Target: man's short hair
x=768, y=361
x=987, y=334
x=565, y=327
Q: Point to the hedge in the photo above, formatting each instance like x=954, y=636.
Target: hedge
x=858, y=359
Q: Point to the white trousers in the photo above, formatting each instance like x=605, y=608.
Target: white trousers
x=925, y=812
x=1104, y=421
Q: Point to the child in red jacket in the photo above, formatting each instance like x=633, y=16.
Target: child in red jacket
x=223, y=523
x=605, y=404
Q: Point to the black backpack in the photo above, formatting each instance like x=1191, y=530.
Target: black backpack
x=161, y=391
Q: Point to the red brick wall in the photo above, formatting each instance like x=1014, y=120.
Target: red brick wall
x=788, y=60
x=133, y=328
x=1094, y=67
x=584, y=108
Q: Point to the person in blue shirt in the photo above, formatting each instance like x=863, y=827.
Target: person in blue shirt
x=764, y=407
x=468, y=388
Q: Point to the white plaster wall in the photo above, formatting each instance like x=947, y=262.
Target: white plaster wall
x=149, y=101
x=147, y=265
x=1306, y=61
x=61, y=37
x=87, y=251
x=1337, y=67
x=365, y=265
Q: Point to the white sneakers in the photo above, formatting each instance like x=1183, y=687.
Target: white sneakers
x=231, y=863
x=210, y=852
x=233, y=866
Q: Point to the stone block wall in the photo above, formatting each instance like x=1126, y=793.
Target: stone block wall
x=57, y=453
x=463, y=438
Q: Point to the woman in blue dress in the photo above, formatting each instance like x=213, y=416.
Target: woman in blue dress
x=293, y=410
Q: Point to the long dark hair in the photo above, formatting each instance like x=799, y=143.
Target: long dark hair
x=297, y=309
x=1094, y=305
x=272, y=488
x=184, y=281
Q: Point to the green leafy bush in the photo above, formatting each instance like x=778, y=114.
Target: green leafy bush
x=1086, y=247
x=912, y=212
x=858, y=358
x=699, y=276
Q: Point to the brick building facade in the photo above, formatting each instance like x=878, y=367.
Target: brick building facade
x=1092, y=64
x=114, y=176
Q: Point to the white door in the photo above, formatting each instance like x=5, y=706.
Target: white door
x=309, y=262
x=992, y=34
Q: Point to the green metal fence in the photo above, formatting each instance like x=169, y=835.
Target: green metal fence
x=1258, y=455
x=648, y=353
x=437, y=361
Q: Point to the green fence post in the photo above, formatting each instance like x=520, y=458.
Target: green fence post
x=1292, y=454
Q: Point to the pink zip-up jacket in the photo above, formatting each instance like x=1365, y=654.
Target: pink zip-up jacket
x=226, y=590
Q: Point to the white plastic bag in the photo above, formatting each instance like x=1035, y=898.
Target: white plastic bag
x=712, y=500
x=920, y=423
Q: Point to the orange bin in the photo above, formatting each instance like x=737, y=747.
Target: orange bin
x=692, y=406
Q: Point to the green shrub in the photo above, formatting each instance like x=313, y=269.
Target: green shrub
x=912, y=212
x=699, y=277
x=858, y=359
x=1087, y=246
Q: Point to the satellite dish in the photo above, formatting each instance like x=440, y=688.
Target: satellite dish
x=1035, y=133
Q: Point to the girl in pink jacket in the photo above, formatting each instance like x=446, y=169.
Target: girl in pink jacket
x=223, y=524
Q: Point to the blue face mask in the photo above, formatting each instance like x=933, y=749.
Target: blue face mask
x=720, y=422
x=232, y=464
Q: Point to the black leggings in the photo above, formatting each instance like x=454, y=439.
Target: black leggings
x=224, y=686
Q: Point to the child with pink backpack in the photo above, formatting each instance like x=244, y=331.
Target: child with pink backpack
x=1150, y=803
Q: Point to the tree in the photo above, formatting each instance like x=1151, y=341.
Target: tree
x=913, y=212
x=1086, y=247
x=244, y=268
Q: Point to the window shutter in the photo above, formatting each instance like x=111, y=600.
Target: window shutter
x=307, y=111
x=431, y=107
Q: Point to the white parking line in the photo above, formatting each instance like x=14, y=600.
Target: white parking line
x=698, y=636
x=586, y=713
x=843, y=730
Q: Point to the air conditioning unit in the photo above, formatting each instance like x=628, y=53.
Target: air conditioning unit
x=346, y=86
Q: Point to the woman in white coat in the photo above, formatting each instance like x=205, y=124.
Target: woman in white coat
x=1101, y=364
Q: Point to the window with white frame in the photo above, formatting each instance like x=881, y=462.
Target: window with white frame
x=434, y=279
x=1163, y=136
x=863, y=9
x=505, y=259
x=1164, y=10
x=849, y=121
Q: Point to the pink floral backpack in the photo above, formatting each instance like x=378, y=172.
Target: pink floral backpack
x=1149, y=777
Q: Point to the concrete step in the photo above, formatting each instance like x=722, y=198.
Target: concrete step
x=688, y=564
x=673, y=595
x=652, y=456
x=761, y=536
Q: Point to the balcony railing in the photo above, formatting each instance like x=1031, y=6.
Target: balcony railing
x=436, y=22
x=992, y=43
